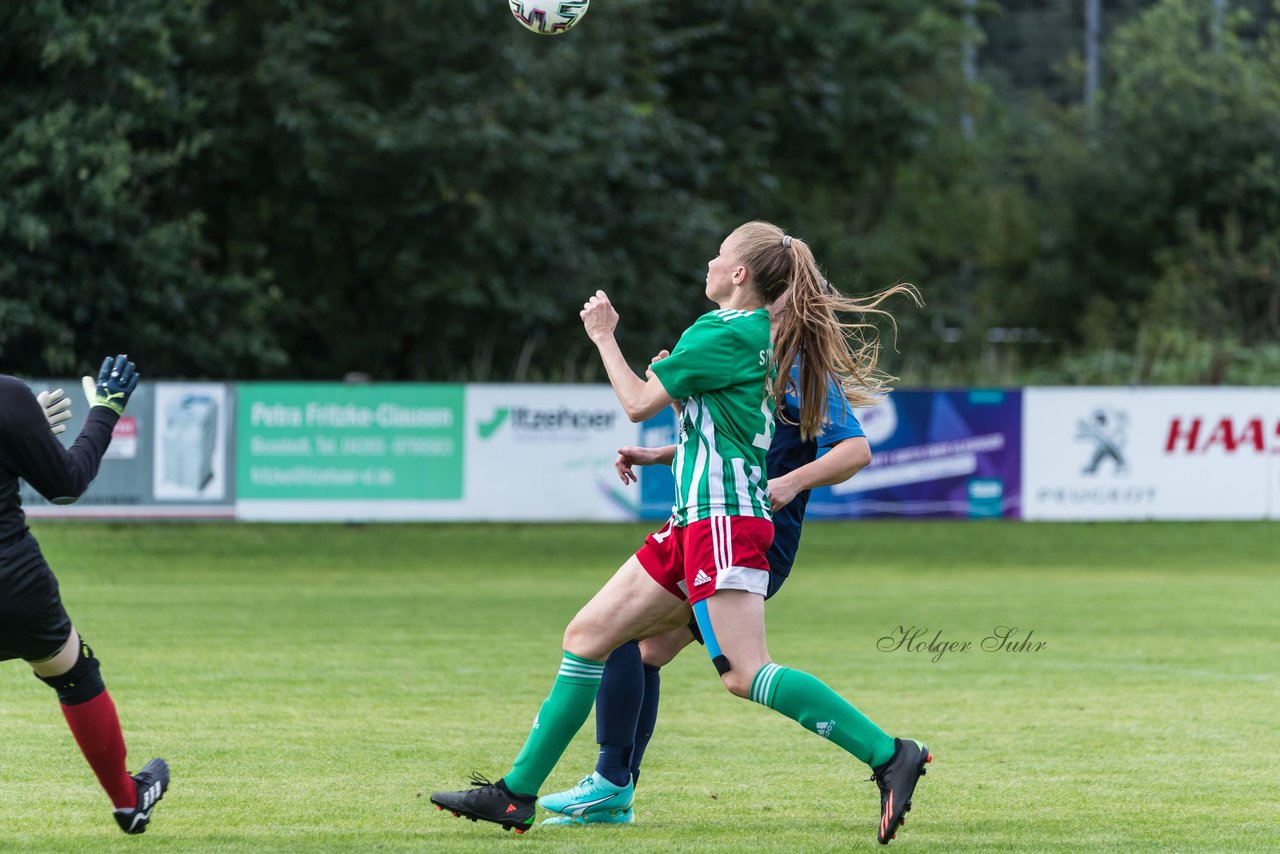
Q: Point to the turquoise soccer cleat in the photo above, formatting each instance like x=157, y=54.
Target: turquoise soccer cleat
x=593, y=795
x=627, y=816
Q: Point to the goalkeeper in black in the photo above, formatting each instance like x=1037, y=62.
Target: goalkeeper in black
x=33, y=624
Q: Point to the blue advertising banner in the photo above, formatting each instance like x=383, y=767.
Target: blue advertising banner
x=934, y=454
x=943, y=454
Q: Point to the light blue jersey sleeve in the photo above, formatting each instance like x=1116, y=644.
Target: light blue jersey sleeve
x=843, y=422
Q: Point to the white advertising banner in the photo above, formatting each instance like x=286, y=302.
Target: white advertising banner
x=543, y=452
x=488, y=453
x=1150, y=453
x=531, y=453
x=190, y=455
x=169, y=456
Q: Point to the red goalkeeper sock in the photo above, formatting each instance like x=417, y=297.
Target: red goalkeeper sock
x=97, y=731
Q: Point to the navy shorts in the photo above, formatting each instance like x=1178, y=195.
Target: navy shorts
x=33, y=624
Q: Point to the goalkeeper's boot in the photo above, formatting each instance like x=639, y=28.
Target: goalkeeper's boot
x=152, y=782
x=489, y=802
x=897, y=779
x=594, y=796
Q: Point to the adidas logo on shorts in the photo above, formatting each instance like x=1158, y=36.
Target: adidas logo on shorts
x=701, y=578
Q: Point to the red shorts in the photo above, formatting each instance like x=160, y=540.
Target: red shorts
x=721, y=553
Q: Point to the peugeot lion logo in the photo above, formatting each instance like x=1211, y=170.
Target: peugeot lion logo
x=1106, y=428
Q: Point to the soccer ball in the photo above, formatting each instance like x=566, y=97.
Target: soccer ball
x=548, y=17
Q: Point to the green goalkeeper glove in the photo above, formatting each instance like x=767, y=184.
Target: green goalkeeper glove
x=117, y=379
x=57, y=408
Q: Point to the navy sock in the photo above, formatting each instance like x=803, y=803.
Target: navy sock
x=618, y=704
x=648, y=718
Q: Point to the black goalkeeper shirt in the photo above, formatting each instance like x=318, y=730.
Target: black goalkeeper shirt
x=29, y=451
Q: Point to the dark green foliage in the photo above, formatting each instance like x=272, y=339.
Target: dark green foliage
x=1164, y=219
x=457, y=187
x=424, y=190
x=101, y=247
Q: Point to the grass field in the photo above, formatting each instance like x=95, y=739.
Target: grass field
x=310, y=685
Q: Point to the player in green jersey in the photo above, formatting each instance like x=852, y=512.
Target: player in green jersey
x=710, y=556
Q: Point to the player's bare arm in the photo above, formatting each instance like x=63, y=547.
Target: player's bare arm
x=630, y=456
x=648, y=372
x=843, y=461
x=640, y=399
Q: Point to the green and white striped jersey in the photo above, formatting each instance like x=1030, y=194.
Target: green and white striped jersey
x=720, y=372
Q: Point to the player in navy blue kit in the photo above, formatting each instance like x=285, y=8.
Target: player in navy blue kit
x=33, y=624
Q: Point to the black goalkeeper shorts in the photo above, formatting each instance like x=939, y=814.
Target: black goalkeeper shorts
x=33, y=624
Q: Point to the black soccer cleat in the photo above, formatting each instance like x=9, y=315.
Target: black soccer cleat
x=897, y=780
x=489, y=802
x=152, y=782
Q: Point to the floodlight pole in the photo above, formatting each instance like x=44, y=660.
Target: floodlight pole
x=970, y=61
x=1092, y=53
x=1219, y=23
x=970, y=67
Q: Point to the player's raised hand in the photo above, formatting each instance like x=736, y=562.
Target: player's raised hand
x=57, y=409
x=599, y=316
x=117, y=379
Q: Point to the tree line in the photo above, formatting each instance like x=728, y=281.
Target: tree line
x=419, y=190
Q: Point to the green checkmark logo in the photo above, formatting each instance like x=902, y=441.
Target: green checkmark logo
x=488, y=428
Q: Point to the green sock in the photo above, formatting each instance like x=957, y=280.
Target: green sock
x=809, y=702
x=562, y=714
